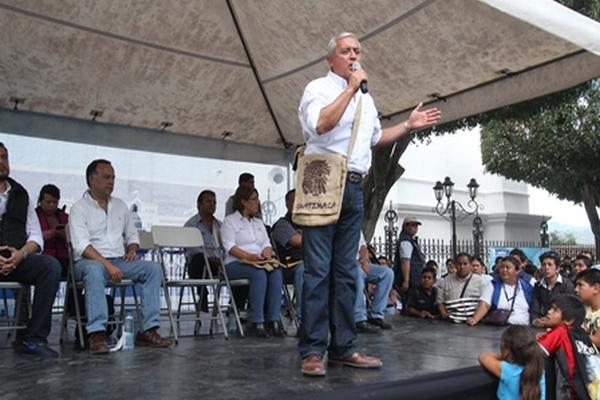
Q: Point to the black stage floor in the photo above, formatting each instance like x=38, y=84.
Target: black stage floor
x=239, y=368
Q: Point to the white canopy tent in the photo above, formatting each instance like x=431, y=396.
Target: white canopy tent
x=223, y=78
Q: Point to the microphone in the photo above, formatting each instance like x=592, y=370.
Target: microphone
x=363, y=84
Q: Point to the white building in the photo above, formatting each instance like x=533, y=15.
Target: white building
x=506, y=214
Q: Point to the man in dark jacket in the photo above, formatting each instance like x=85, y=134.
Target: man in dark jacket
x=409, y=259
x=21, y=242
x=549, y=286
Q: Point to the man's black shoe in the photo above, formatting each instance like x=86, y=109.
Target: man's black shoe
x=36, y=348
x=275, y=328
x=257, y=330
x=365, y=327
x=380, y=323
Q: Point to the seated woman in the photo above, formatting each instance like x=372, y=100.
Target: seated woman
x=245, y=240
x=508, y=292
x=53, y=221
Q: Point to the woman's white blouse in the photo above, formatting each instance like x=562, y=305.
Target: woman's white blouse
x=248, y=234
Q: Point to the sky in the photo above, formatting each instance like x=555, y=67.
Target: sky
x=563, y=212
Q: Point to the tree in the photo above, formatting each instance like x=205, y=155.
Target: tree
x=562, y=238
x=515, y=133
x=555, y=146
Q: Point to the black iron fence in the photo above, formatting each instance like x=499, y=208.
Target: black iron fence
x=440, y=250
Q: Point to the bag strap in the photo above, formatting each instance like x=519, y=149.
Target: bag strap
x=512, y=305
x=355, y=125
x=464, y=289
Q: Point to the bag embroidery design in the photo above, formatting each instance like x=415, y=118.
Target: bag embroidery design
x=316, y=174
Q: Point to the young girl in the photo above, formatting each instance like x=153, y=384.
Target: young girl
x=519, y=365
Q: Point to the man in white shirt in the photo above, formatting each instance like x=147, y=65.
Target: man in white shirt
x=21, y=243
x=326, y=114
x=101, y=226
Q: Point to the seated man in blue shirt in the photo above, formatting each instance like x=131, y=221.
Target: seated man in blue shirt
x=288, y=239
x=383, y=277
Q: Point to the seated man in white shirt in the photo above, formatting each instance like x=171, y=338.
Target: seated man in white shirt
x=101, y=226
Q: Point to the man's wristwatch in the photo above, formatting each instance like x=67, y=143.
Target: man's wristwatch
x=24, y=253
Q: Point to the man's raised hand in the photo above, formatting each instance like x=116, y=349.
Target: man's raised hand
x=420, y=118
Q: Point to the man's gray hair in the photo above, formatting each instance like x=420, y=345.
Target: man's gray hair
x=333, y=42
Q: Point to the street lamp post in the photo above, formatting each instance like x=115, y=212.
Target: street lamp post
x=544, y=237
x=391, y=217
x=454, y=211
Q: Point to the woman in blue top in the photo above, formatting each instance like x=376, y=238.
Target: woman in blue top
x=519, y=365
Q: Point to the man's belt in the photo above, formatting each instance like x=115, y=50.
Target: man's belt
x=354, y=177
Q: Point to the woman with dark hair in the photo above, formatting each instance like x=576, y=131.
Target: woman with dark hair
x=245, y=241
x=53, y=221
x=509, y=292
x=480, y=269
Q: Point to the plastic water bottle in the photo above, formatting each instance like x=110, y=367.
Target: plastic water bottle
x=128, y=342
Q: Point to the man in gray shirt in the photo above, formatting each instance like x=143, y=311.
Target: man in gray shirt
x=210, y=227
x=288, y=239
x=458, y=295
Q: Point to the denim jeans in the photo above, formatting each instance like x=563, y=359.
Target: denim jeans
x=42, y=272
x=298, y=282
x=329, y=290
x=297, y=275
x=265, y=290
x=381, y=276
x=95, y=278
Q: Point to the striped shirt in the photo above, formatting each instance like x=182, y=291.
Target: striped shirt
x=459, y=305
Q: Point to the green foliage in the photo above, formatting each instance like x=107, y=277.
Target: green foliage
x=554, y=145
x=552, y=142
x=557, y=238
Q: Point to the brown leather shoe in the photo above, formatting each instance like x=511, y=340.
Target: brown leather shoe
x=152, y=338
x=97, y=343
x=312, y=365
x=358, y=360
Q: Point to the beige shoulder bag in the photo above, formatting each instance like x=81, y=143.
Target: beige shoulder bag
x=320, y=183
